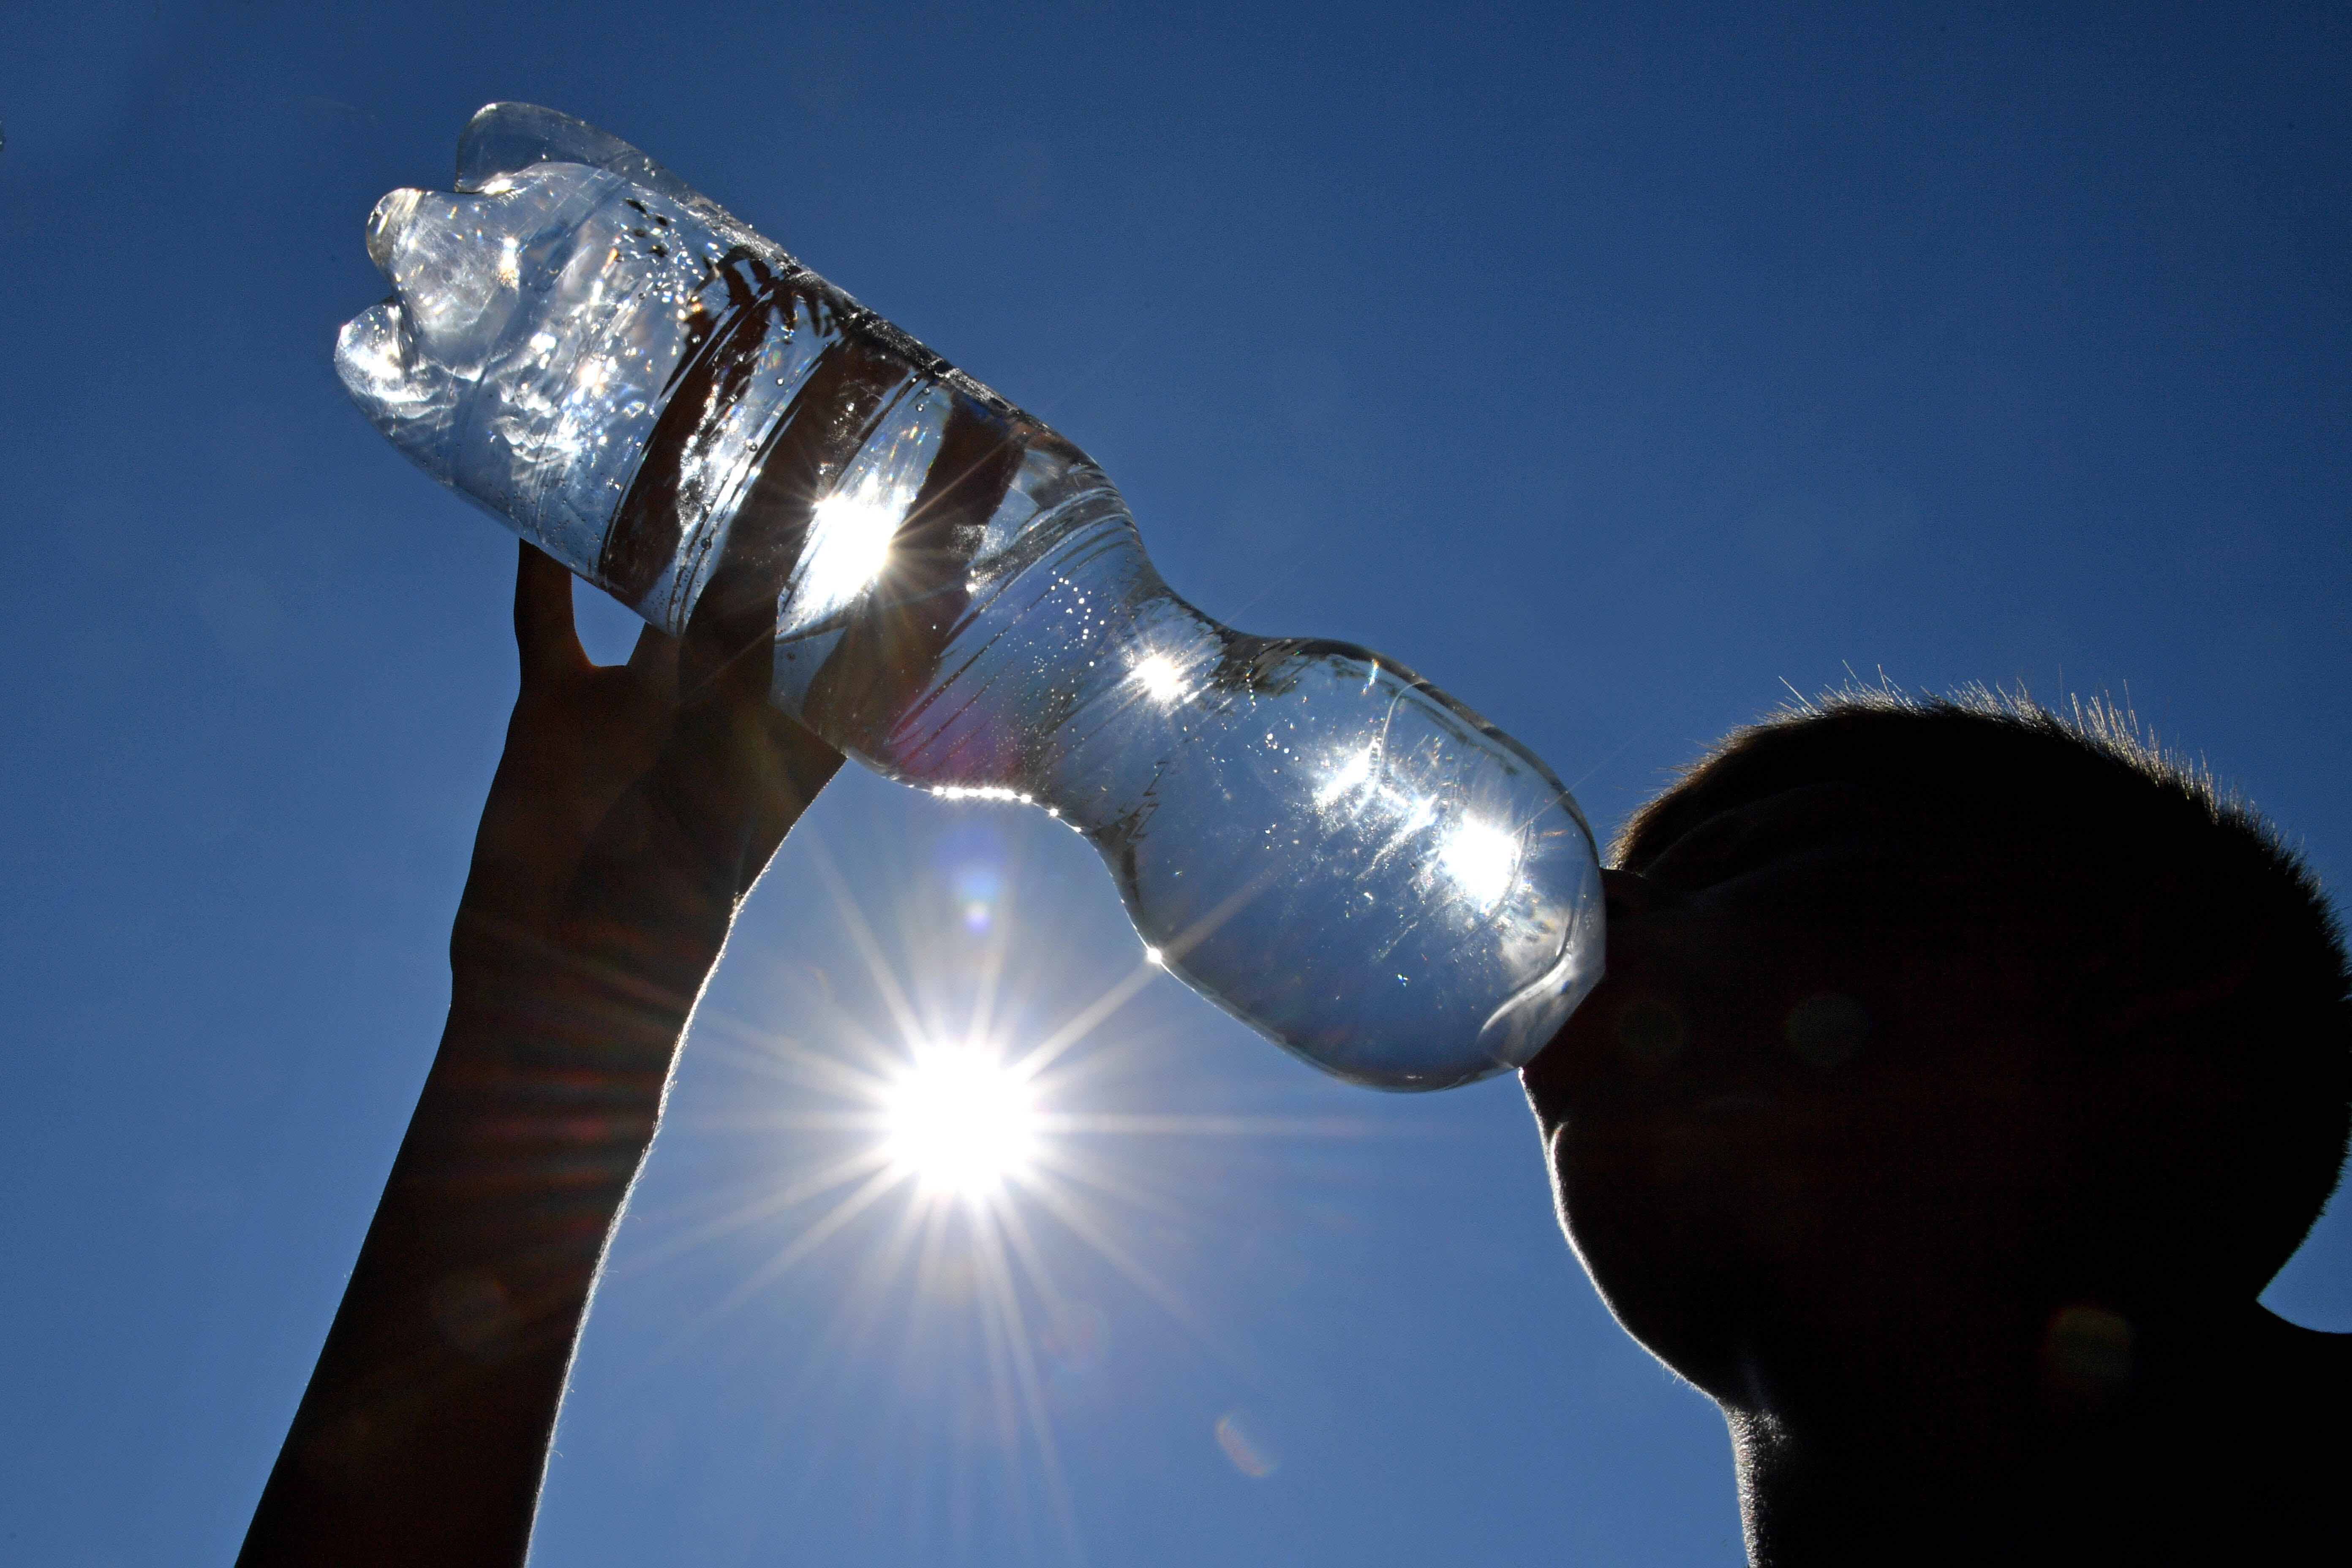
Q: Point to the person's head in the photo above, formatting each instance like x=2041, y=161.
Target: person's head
x=1920, y=1013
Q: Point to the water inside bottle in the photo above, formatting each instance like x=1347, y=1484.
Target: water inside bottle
x=1321, y=842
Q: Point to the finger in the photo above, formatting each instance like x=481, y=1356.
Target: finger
x=548, y=643
x=732, y=777
x=798, y=763
x=756, y=772
x=759, y=736
x=653, y=661
x=739, y=685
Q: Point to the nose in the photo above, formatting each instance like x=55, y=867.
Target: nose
x=1635, y=904
x=1631, y=896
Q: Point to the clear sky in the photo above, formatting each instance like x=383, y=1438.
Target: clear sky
x=1617, y=367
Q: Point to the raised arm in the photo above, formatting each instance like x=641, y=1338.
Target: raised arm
x=626, y=825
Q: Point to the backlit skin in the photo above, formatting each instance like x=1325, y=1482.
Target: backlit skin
x=1822, y=1155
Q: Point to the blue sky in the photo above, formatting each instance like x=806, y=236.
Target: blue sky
x=1613, y=366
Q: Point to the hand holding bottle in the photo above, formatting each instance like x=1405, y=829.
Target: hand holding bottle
x=622, y=830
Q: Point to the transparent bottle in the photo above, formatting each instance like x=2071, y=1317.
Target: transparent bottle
x=1321, y=843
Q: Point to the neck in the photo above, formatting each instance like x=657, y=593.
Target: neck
x=2166, y=1439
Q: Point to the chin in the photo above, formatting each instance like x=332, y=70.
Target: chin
x=1666, y=1254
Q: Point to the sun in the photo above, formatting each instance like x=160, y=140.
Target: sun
x=961, y=1121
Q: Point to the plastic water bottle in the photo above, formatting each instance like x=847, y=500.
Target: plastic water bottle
x=1312, y=836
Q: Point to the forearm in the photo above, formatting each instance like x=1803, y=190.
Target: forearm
x=423, y=1433
x=627, y=821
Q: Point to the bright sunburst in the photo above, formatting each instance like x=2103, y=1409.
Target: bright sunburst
x=961, y=1121
x=968, y=1159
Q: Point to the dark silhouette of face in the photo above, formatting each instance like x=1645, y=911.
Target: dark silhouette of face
x=1807, y=1120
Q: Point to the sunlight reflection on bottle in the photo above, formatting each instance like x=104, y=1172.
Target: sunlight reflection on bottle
x=1483, y=860
x=1346, y=777
x=1159, y=677
x=849, y=545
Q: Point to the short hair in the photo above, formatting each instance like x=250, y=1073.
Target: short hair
x=2157, y=910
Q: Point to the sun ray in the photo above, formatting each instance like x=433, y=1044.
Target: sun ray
x=861, y=936
x=1025, y=1366
x=839, y=1173
x=851, y=1205
x=1032, y=1260
x=996, y=1341
x=1079, y=1224
x=853, y=1323
x=1132, y=1124
x=998, y=956
x=787, y=1059
x=873, y=1282
x=1113, y=1056
x=816, y=1235
x=929, y=1267
x=841, y=1121
x=1073, y=1166
x=1088, y=1018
